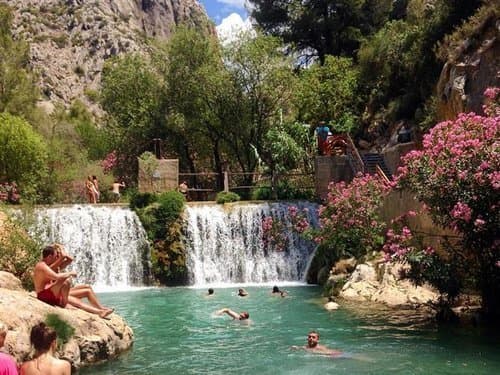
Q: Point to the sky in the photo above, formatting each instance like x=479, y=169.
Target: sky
x=218, y=10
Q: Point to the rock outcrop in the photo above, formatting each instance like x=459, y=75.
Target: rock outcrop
x=71, y=39
x=383, y=285
x=95, y=339
x=470, y=69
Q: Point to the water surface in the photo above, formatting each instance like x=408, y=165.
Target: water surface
x=176, y=331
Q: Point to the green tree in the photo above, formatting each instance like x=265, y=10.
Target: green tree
x=23, y=155
x=320, y=27
x=202, y=100
x=327, y=92
x=266, y=82
x=18, y=92
x=133, y=95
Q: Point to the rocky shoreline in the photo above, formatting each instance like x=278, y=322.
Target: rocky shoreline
x=95, y=339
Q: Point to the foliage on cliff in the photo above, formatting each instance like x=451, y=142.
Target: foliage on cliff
x=18, y=252
x=161, y=216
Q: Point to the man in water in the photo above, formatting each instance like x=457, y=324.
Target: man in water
x=242, y=292
x=241, y=316
x=210, y=292
x=276, y=290
x=314, y=346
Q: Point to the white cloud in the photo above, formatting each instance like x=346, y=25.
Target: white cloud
x=233, y=3
x=232, y=26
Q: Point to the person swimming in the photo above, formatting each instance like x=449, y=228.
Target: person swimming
x=244, y=315
x=242, y=292
x=314, y=346
x=277, y=290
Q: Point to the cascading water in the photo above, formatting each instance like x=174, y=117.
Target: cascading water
x=108, y=243
x=225, y=245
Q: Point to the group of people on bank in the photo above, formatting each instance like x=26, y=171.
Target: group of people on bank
x=44, y=340
x=93, y=193
x=52, y=286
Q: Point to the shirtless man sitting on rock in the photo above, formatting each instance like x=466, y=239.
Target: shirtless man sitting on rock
x=54, y=287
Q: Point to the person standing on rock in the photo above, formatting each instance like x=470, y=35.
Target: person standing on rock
x=44, y=340
x=7, y=363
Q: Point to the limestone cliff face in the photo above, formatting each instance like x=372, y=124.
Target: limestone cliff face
x=71, y=39
x=471, y=68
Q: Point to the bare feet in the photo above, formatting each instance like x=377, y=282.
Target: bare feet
x=104, y=313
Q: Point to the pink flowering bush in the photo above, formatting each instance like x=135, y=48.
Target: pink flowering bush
x=274, y=231
x=349, y=220
x=109, y=162
x=457, y=176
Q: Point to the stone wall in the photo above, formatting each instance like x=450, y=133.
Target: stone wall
x=330, y=168
x=164, y=178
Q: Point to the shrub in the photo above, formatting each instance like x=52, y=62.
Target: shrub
x=162, y=220
x=350, y=225
x=456, y=175
x=227, y=197
x=63, y=329
x=23, y=154
x=284, y=191
x=19, y=253
x=141, y=200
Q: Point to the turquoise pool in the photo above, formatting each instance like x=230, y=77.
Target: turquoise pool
x=177, y=332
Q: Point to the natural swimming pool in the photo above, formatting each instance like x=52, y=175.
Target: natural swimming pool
x=176, y=331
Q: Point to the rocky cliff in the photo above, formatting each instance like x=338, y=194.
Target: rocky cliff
x=472, y=66
x=95, y=339
x=71, y=39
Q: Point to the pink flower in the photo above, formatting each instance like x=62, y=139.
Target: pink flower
x=461, y=211
x=479, y=222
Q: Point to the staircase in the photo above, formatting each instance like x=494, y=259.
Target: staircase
x=372, y=160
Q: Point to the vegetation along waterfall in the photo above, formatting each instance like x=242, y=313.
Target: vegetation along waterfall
x=108, y=243
x=224, y=244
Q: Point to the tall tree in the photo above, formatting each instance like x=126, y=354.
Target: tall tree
x=23, y=154
x=321, y=27
x=201, y=100
x=328, y=92
x=266, y=81
x=133, y=95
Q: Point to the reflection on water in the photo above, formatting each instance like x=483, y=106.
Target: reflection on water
x=176, y=331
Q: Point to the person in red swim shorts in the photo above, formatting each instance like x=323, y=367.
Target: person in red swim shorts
x=54, y=287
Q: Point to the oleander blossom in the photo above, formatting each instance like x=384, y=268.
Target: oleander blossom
x=109, y=162
x=456, y=175
x=274, y=231
x=349, y=220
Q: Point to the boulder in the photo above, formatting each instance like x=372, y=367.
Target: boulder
x=383, y=284
x=9, y=281
x=95, y=339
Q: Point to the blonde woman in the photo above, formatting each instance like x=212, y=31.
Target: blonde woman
x=90, y=190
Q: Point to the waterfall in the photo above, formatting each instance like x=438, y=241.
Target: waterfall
x=108, y=243
x=225, y=245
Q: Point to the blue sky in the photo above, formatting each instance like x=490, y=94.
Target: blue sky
x=219, y=9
